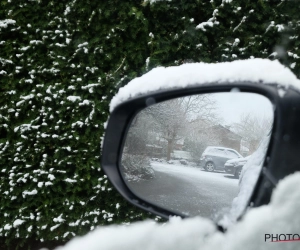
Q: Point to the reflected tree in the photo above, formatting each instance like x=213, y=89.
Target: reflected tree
x=178, y=118
x=252, y=128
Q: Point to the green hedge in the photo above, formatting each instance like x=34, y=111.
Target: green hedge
x=60, y=64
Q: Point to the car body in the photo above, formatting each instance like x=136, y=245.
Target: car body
x=214, y=158
x=235, y=166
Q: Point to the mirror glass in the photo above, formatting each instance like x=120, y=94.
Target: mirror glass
x=190, y=154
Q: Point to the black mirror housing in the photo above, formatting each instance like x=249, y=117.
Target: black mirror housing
x=283, y=141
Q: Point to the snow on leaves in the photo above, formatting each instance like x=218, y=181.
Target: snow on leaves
x=5, y=23
x=33, y=192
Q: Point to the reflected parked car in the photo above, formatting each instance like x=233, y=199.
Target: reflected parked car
x=214, y=158
x=235, y=166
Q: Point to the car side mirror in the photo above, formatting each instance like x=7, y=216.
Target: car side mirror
x=153, y=143
x=158, y=153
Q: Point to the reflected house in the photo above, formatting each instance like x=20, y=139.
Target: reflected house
x=219, y=135
x=226, y=137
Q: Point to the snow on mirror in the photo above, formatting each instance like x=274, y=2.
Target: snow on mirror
x=187, y=154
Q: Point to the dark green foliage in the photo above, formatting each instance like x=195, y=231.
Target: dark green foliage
x=60, y=64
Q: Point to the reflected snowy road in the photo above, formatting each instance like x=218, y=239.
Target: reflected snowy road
x=188, y=190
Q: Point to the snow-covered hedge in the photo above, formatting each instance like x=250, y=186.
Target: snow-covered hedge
x=61, y=63
x=137, y=167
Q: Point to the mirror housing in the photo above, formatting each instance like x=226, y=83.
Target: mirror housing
x=276, y=164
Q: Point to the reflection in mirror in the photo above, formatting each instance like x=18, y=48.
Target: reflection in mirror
x=187, y=154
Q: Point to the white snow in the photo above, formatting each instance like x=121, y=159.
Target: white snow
x=28, y=97
x=202, y=25
x=194, y=74
x=195, y=174
x=51, y=177
x=280, y=27
x=90, y=86
x=20, y=103
x=59, y=219
x=33, y=192
x=7, y=227
x=293, y=55
x=54, y=227
x=73, y=98
x=60, y=45
x=18, y=222
x=83, y=44
x=243, y=20
x=6, y=22
x=281, y=216
x=249, y=176
x=78, y=123
x=150, y=235
x=35, y=42
x=70, y=180
x=85, y=102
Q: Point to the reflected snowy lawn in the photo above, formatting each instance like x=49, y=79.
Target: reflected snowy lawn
x=188, y=190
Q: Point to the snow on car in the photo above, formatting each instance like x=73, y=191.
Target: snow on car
x=197, y=233
x=235, y=166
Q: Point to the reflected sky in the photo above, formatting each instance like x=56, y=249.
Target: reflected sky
x=232, y=105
